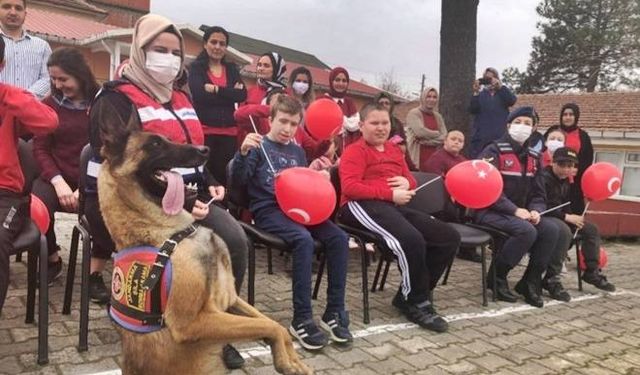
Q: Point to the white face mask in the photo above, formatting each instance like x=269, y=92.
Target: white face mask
x=554, y=144
x=520, y=132
x=300, y=88
x=163, y=67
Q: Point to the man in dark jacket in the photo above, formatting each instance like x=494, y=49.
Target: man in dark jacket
x=517, y=210
x=558, y=191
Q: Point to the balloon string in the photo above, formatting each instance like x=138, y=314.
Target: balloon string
x=427, y=183
x=586, y=206
x=555, y=208
x=262, y=147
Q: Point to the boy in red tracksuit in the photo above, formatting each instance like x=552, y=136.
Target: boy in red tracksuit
x=20, y=113
x=376, y=186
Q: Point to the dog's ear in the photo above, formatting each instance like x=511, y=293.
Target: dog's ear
x=114, y=129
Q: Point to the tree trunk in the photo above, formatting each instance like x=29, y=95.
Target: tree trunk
x=457, y=61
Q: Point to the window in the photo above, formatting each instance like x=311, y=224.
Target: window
x=629, y=164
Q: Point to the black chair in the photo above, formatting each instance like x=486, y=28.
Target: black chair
x=577, y=242
x=80, y=230
x=35, y=244
x=238, y=201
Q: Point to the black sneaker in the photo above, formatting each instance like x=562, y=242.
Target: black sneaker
x=598, y=280
x=556, y=291
x=422, y=314
x=337, y=327
x=309, y=335
x=232, y=358
x=98, y=292
x=54, y=270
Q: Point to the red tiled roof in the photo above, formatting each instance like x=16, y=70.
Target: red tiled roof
x=45, y=23
x=320, y=78
x=615, y=111
x=76, y=4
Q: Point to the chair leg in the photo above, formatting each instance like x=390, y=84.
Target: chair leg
x=269, y=262
x=447, y=272
x=71, y=271
x=83, y=345
x=578, y=270
x=364, y=264
x=483, y=256
x=316, y=288
x=18, y=257
x=43, y=304
x=251, y=279
x=384, y=274
x=32, y=275
x=376, y=277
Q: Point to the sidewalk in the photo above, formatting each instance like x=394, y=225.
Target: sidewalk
x=596, y=333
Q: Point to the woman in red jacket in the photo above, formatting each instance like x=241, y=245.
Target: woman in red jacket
x=58, y=154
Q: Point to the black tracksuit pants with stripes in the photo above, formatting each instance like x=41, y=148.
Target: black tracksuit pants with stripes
x=423, y=245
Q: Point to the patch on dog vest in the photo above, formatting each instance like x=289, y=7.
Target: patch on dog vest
x=133, y=306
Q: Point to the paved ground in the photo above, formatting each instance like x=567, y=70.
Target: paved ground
x=596, y=333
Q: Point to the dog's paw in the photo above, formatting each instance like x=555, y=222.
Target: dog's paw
x=295, y=367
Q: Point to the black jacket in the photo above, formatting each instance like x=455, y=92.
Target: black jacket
x=215, y=109
x=557, y=193
x=518, y=190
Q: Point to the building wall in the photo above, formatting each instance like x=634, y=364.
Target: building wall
x=123, y=13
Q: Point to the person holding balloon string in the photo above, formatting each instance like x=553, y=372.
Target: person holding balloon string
x=261, y=162
x=20, y=113
x=259, y=114
x=557, y=186
x=376, y=185
x=517, y=210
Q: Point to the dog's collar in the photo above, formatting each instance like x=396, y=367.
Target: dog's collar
x=164, y=253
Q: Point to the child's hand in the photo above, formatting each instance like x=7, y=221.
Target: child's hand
x=217, y=192
x=252, y=140
x=320, y=164
x=398, y=182
x=200, y=210
x=402, y=196
x=576, y=220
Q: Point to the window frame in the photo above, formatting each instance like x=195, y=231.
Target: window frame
x=623, y=162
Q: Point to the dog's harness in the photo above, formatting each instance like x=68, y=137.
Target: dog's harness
x=141, y=283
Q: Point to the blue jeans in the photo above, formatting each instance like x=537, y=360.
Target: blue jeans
x=300, y=238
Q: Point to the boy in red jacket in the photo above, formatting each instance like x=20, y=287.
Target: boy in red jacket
x=20, y=113
x=376, y=186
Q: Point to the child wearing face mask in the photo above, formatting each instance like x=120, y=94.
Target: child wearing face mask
x=517, y=210
x=554, y=140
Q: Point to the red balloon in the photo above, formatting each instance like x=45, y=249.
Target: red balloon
x=601, y=264
x=600, y=181
x=39, y=214
x=474, y=183
x=304, y=195
x=323, y=119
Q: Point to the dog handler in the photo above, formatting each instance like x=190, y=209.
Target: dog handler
x=147, y=87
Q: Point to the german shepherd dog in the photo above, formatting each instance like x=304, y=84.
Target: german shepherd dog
x=203, y=311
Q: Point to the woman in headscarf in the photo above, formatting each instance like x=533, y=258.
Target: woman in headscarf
x=270, y=70
x=425, y=128
x=578, y=140
x=147, y=87
x=338, y=86
x=216, y=87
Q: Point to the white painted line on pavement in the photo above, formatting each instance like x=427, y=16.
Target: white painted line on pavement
x=262, y=350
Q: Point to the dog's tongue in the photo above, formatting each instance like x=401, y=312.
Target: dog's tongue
x=173, y=199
